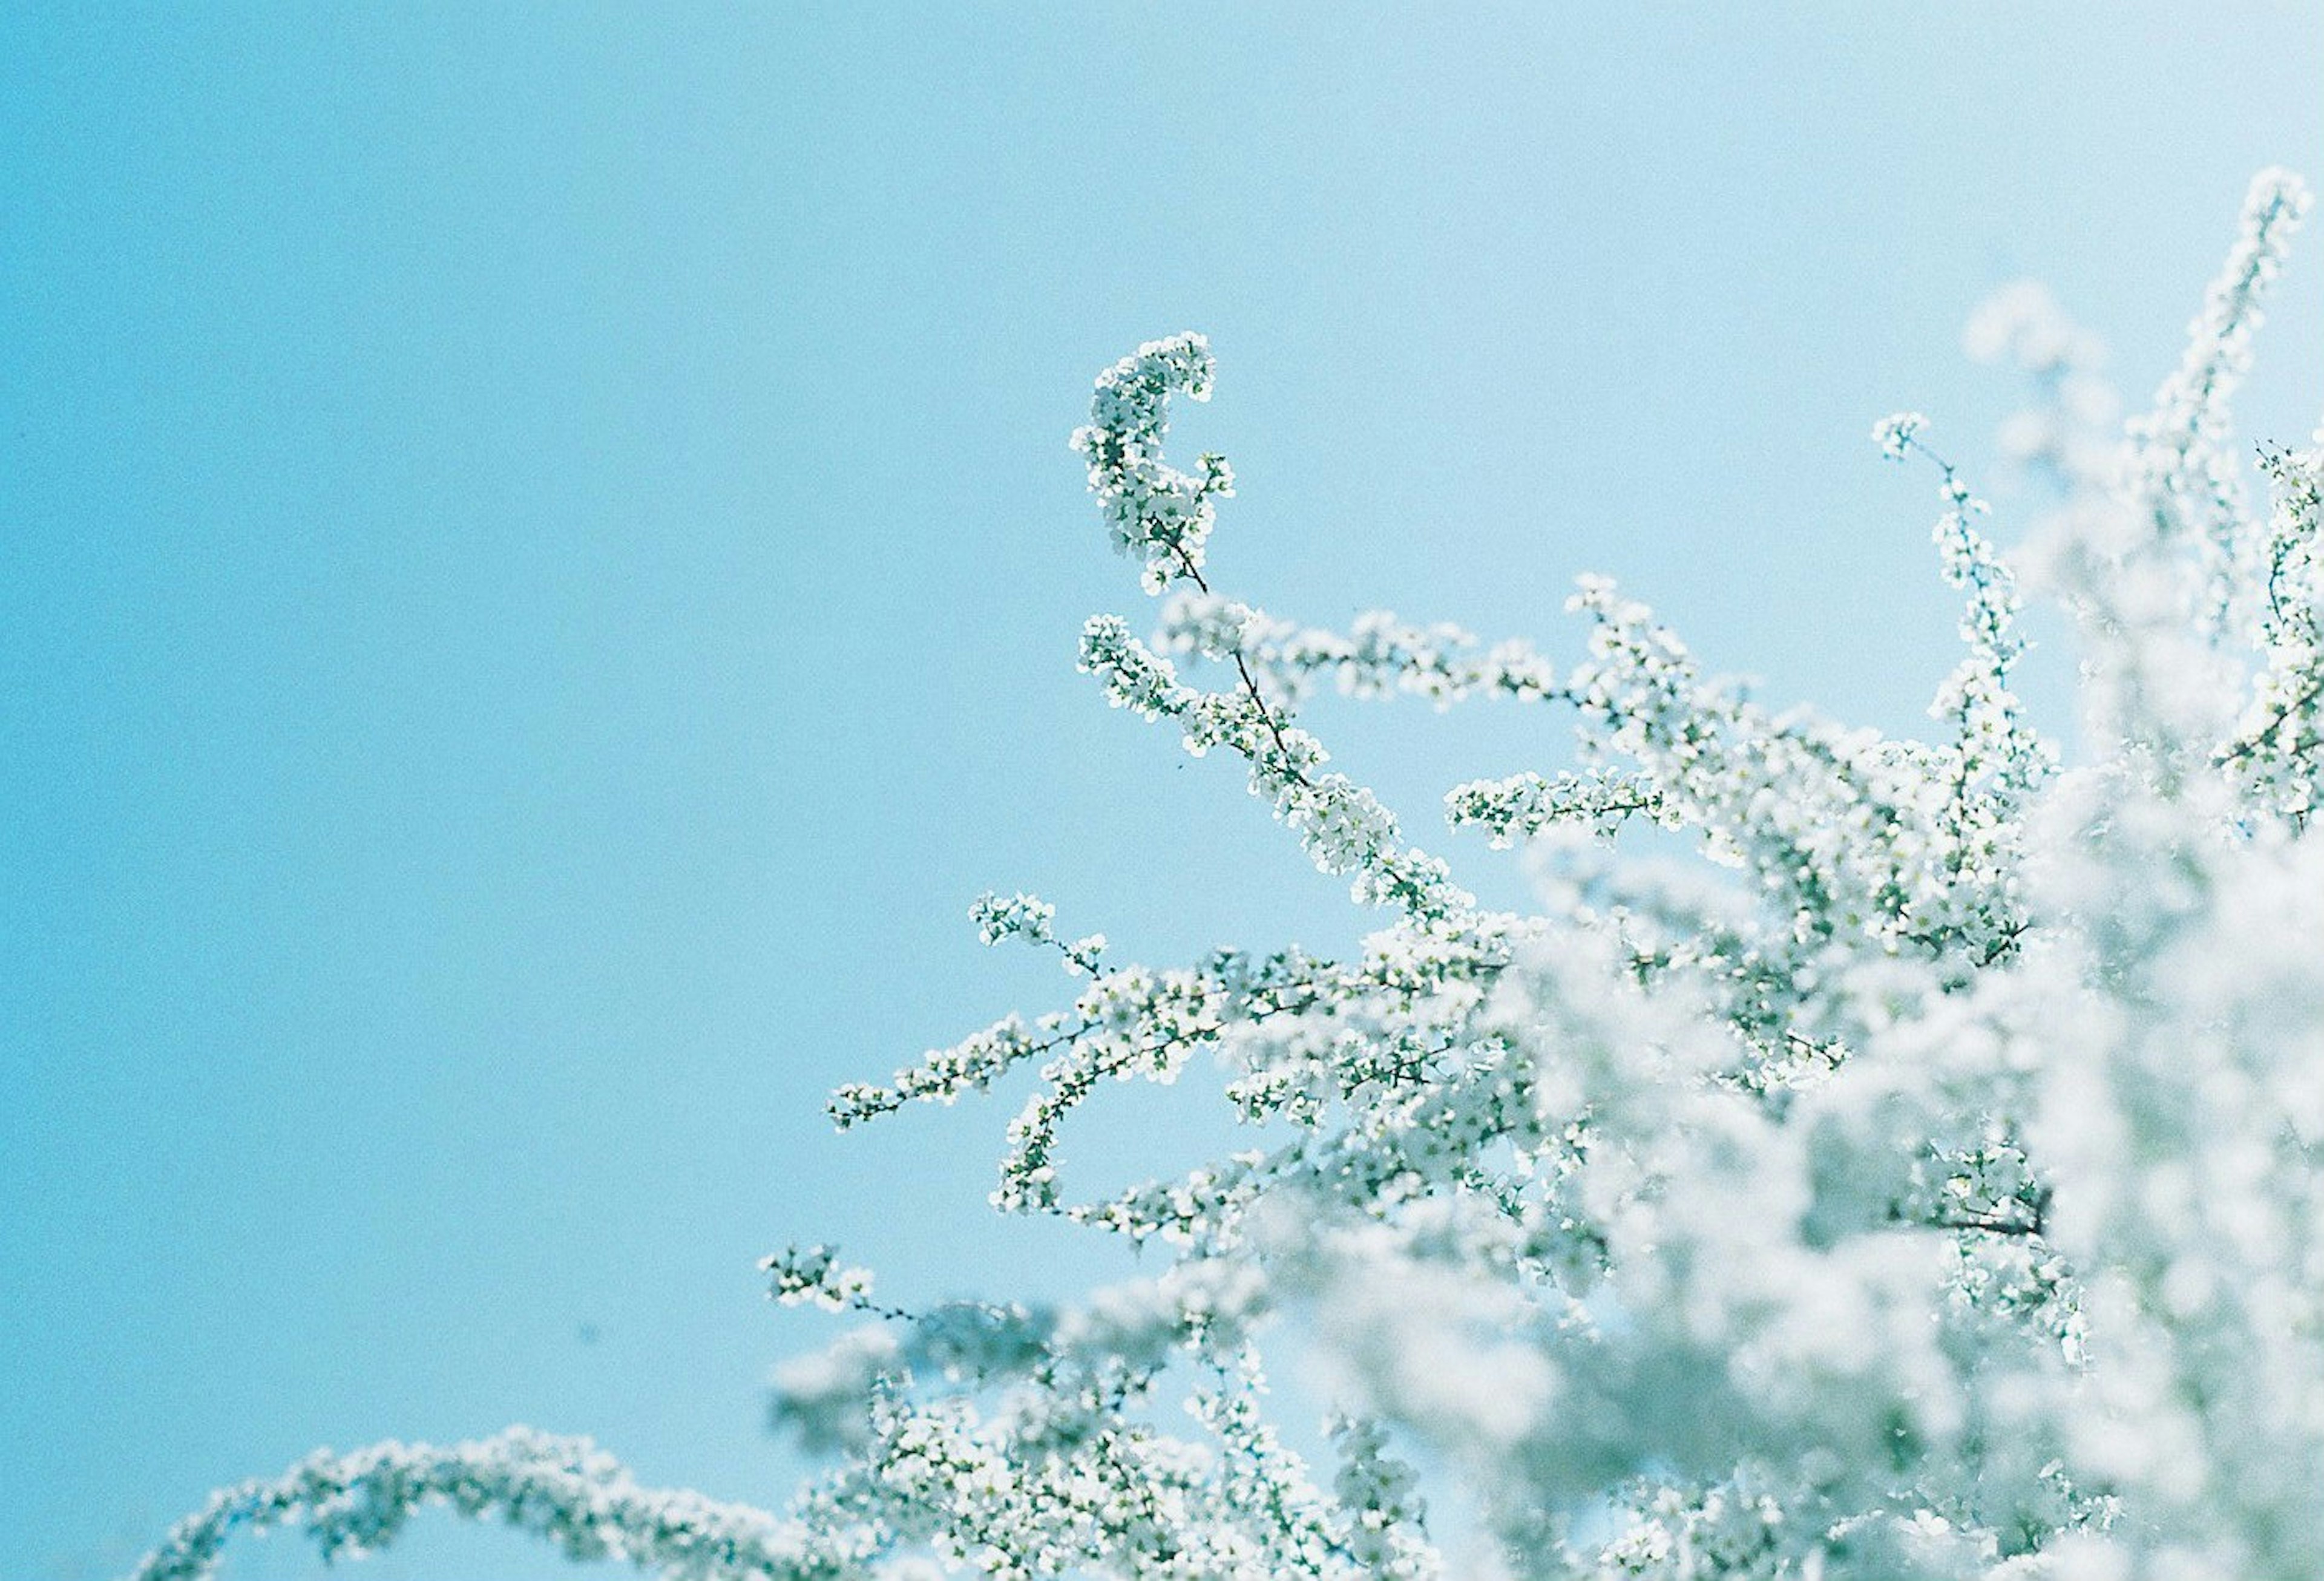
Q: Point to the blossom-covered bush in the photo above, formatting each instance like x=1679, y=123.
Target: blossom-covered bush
x=1929, y=1184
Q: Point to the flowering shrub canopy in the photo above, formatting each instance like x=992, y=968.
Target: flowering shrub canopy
x=1927, y=1185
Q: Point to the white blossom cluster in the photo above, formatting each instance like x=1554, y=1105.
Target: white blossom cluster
x=1378, y=656
x=814, y=1276
x=1157, y=512
x=567, y=1491
x=1029, y=917
x=1525, y=804
x=1925, y=1185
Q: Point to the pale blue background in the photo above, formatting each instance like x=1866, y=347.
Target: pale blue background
x=538, y=573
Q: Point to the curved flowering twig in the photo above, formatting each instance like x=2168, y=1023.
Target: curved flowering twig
x=566, y=1491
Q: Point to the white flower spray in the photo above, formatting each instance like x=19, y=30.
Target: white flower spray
x=1928, y=1185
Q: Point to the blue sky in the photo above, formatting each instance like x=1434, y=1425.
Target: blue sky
x=540, y=570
